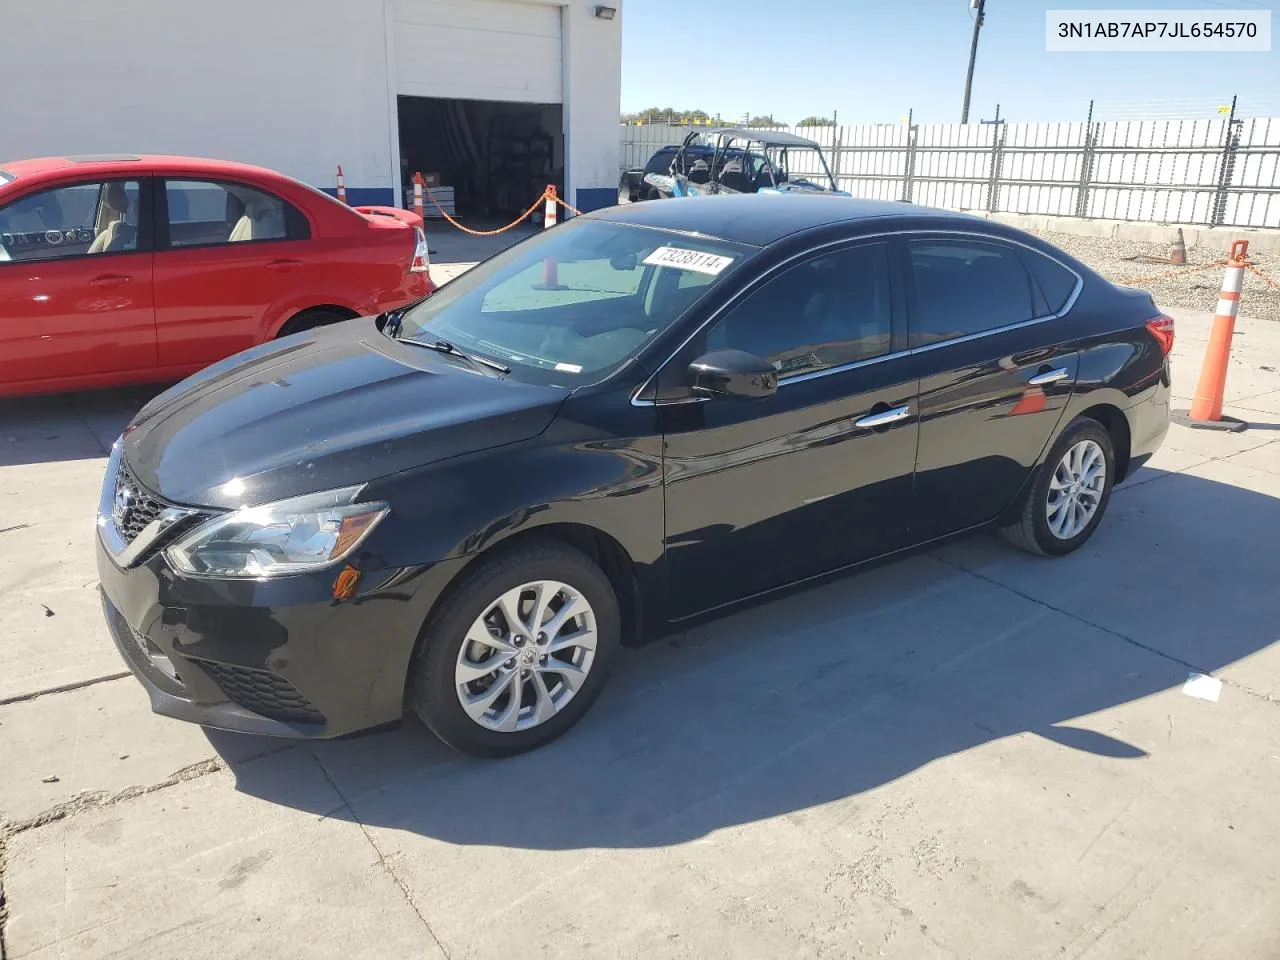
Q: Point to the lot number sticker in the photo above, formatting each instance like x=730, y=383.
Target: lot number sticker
x=682, y=259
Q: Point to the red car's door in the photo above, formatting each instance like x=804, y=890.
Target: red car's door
x=225, y=253
x=76, y=302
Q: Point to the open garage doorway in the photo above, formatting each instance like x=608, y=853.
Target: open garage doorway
x=491, y=159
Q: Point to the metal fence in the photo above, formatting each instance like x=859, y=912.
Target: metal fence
x=1221, y=171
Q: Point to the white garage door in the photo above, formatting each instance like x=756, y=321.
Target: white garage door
x=478, y=50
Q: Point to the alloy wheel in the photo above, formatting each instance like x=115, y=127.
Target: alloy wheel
x=526, y=656
x=1075, y=490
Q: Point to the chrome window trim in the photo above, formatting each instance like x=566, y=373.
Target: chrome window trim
x=126, y=555
x=849, y=241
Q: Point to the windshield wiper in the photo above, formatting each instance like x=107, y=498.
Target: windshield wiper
x=444, y=346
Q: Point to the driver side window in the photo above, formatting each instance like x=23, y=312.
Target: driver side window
x=826, y=312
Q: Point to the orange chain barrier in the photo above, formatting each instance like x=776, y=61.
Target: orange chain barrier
x=483, y=233
x=1265, y=279
x=1182, y=271
x=568, y=206
x=1208, y=266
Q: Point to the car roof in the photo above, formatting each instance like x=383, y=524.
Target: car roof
x=115, y=163
x=773, y=138
x=760, y=219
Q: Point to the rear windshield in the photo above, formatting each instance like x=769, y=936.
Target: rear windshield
x=572, y=303
x=5, y=177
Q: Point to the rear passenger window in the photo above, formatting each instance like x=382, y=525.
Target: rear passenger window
x=1054, y=281
x=205, y=212
x=963, y=287
x=825, y=312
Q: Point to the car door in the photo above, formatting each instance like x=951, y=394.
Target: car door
x=226, y=252
x=996, y=370
x=76, y=282
x=761, y=493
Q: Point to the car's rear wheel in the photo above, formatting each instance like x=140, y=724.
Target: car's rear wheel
x=517, y=652
x=1069, y=497
x=310, y=319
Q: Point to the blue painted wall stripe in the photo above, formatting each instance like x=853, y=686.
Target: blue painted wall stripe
x=366, y=196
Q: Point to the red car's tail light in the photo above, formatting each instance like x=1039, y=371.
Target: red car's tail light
x=1161, y=328
x=421, y=261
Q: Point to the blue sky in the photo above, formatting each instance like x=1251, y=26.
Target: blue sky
x=872, y=61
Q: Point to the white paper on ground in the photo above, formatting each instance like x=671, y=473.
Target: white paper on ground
x=1202, y=687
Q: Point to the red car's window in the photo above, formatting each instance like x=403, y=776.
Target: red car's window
x=99, y=217
x=209, y=212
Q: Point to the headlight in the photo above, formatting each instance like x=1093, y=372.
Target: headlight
x=276, y=539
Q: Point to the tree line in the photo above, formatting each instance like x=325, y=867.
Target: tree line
x=674, y=117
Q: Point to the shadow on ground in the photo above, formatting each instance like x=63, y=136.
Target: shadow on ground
x=839, y=689
x=67, y=426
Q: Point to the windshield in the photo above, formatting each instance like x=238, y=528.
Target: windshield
x=570, y=304
x=5, y=177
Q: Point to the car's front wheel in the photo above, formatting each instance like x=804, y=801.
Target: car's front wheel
x=518, y=651
x=1069, y=497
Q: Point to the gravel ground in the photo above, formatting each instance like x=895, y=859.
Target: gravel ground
x=1184, y=287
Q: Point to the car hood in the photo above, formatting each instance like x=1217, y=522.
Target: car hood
x=320, y=410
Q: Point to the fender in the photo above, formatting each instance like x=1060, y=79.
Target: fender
x=570, y=474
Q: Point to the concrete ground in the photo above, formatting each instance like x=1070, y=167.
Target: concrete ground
x=968, y=753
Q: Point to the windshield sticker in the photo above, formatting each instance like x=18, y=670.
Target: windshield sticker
x=695, y=260
x=569, y=367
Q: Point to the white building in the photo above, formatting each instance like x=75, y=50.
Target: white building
x=497, y=97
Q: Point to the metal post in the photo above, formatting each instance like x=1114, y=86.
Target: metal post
x=997, y=160
x=835, y=147
x=1227, y=169
x=910, y=169
x=973, y=56
x=1086, y=166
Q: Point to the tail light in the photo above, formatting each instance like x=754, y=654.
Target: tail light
x=421, y=261
x=1161, y=328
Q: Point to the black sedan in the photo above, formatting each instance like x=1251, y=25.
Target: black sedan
x=644, y=415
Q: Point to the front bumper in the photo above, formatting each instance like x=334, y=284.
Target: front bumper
x=276, y=657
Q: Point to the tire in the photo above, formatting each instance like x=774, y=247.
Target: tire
x=310, y=319
x=1034, y=531
x=435, y=688
x=653, y=194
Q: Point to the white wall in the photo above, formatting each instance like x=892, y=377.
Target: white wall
x=298, y=85
x=592, y=97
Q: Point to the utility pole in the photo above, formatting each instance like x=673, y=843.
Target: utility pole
x=980, y=7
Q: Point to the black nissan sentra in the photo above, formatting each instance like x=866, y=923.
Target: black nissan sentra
x=639, y=417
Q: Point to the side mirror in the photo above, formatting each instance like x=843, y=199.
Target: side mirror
x=733, y=373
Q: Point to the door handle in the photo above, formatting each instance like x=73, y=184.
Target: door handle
x=110, y=280
x=283, y=264
x=1048, y=377
x=884, y=418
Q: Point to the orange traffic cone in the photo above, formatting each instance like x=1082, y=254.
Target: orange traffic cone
x=549, y=208
x=1206, y=409
x=1178, y=252
x=342, y=186
x=418, y=207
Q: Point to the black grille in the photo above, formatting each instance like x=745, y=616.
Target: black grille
x=263, y=692
x=134, y=508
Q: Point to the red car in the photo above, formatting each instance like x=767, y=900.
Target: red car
x=128, y=269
